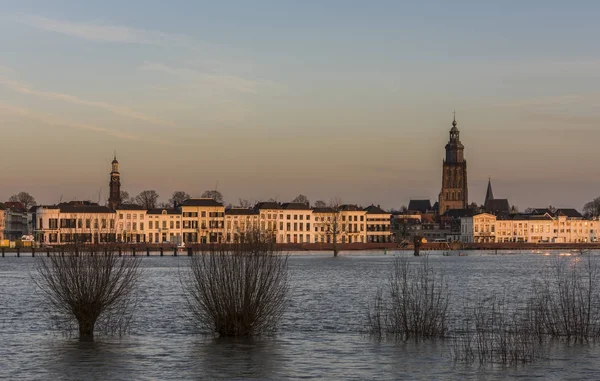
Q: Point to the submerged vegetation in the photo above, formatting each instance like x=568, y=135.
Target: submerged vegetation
x=238, y=289
x=89, y=288
x=563, y=303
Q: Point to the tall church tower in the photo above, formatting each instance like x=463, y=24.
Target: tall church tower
x=454, y=194
x=114, y=199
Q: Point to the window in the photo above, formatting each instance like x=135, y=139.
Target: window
x=135, y=226
x=120, y=216
x=128, y=216
x=87, y=223
x=141, y=226
x=112, y=224
x=150, y=225
x=164, y=224
x=134, y=216
x=171, y=225
x=203, y=214
x=177, y=225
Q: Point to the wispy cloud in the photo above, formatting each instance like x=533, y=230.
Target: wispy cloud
x=114, y=109
x=213, y=81
x=102, y=32
x=53, y=121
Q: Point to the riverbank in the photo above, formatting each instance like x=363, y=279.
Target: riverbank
x=167, y=249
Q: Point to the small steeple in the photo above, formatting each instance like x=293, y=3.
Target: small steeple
x=454, y=119
x=489, y=195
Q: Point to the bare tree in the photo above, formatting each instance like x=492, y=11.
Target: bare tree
x=147, y=199
x=239, y=289
x=214, y=194
x=329, y=222
x=592, y=208
x=302, y=199
x=415, y=302
x=90, y=286
x=320, y=204
x=125, y=198
x=178, y=198
x=24, y=198
x=245, y=203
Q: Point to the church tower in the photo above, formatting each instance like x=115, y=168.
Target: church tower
x=454, y=194
x=114, y=199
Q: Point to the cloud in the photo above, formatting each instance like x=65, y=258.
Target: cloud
x=117, y=110
x=103, y=33
x=206, y=80
x=51, y=120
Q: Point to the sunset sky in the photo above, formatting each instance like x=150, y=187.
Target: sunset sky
x=268, y=99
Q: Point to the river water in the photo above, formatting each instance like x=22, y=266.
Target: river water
x=319, y=337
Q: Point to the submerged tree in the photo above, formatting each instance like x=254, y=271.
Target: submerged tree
x=90, y=287
x=413, y=304
x=238, y=289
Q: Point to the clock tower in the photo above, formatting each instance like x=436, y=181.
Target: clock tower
x=454, y=194
x=115, y=186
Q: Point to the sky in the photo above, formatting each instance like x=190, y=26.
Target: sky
x=270, y=99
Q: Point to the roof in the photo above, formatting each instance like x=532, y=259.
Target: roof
x=201, y=202
x=267, y=205
x=294, y=206
x=571, y=213
x=457, y=213
x=130, y=207
x=241, y=212
x=324, y=210
x=541, y=211
x=375, y=210
x=14, y=205
x=84, y=207
x=489, y=194
x=497, y=205
x=160, y=211
x=350, y=208
x=422, y=206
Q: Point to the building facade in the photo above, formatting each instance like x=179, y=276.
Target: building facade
x=378, y=225
x=454, y=193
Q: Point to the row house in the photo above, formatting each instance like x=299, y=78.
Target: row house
x=344, y=224
x=526, y=228
x=240, y=221
x=271, y=219
x=478, y=228
x=164, y=226
x=203, y=221
x=132, y=224
x=295, y=223
x=75, y=222
x=378, y=223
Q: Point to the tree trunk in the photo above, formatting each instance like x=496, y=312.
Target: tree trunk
x=86, y=330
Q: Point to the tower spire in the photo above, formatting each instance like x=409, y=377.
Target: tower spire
x=454, y=118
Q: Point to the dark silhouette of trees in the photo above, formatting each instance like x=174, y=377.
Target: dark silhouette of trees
x=24, y=198
x=178, y=198
x=592, y=208
x=89, y=286
x=214, y=194
x=320, y=204
x=238, y=289
x=302, y=199
x=147, y=199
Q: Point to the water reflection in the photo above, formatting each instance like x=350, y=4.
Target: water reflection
x=234, y=358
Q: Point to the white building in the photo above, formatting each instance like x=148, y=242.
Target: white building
x=132, y=224
x=378, y=224
x=164, y=226
x=479, y=228
x=75, y=222
x=203, y=221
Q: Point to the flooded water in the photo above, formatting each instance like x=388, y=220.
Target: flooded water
x=319, y=337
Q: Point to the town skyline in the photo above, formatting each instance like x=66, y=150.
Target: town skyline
x=332, y=105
